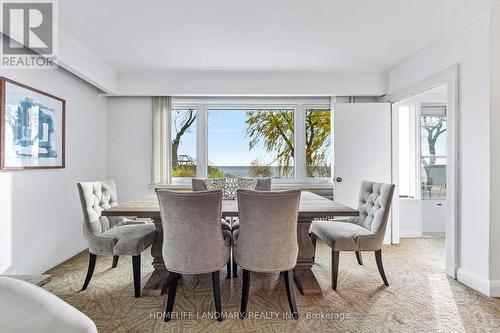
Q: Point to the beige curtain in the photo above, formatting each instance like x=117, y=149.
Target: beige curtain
x=161, y=149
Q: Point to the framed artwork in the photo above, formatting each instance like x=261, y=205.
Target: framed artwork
x=32, y=125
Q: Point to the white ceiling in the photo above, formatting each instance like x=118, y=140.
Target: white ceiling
x=263, y=34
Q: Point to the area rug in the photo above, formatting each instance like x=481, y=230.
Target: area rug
x=420, y=298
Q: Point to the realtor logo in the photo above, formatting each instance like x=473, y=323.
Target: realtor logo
x=28, y=34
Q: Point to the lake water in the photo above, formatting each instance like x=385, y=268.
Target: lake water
x=243, y=171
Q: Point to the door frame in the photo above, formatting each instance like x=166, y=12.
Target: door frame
x=449, y=76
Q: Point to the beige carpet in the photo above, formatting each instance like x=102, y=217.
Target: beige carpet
x=420, y=297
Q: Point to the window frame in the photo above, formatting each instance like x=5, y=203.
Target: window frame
x=442, y=112
x=299, y=107
x=413, y=151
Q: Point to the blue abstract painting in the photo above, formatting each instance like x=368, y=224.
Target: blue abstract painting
x=33, y=128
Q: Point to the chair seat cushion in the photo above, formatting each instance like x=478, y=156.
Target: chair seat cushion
x=340, y=236
x=131, y=239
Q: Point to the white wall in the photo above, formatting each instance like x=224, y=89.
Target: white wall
x=129, y=145
x=410, y=217
x=40, y=214
x=251, y=82
x=76, y=57
x=471, y=51
x=433, y=215
x=495, y=151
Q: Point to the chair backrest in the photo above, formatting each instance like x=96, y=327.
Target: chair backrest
x=267, y=239
x=94, y=198
x=198, y=184
x=374, y=206
x=192, y=236
x=263, y=184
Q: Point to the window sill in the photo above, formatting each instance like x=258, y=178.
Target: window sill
x=275, y=186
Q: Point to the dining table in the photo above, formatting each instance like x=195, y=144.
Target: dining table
x=312, y=206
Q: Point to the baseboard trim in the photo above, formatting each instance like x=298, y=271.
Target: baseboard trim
x=475, y=281
x=495, y=288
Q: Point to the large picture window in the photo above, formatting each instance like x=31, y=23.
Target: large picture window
x=251, y=143
x=290, y=142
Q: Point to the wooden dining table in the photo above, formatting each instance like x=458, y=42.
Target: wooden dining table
x=312, y=207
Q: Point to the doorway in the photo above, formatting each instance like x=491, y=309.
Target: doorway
x=425, y=162
x=421, y=122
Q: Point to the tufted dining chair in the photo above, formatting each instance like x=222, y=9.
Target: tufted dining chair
x=199, y=184
x=263, y=184
x=116, y=236
x=362, y=233
x=267, y=239
x=192, y=239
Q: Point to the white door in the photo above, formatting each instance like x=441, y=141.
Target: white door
x=362, y=148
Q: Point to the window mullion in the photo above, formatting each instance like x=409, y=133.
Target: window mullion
x=167, y=146
x=300, y=143
x=202, y=142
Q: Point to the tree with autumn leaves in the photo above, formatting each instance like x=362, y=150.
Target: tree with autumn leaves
x=274, y=129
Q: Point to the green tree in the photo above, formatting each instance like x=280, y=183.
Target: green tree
x=259, y=169
x=275, y=130
x=214, y=171
x=318, y=127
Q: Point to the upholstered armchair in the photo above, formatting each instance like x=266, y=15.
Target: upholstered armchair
x=362, y=233
x=267, y=238
x=192, y=239
x=25, y=307
x=112, y=236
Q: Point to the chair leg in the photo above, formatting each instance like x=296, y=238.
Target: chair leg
x=244, y=293
x=335, y=268
x=235, y=268
x=136, y=267
x=313, y=241
x=172, y=290
x=358, y=256
x=228, y=269
x=290, y=293
x=115, y=261
x=90, y=270
x=228, y=265
x=216, y=288
x=378, y=259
